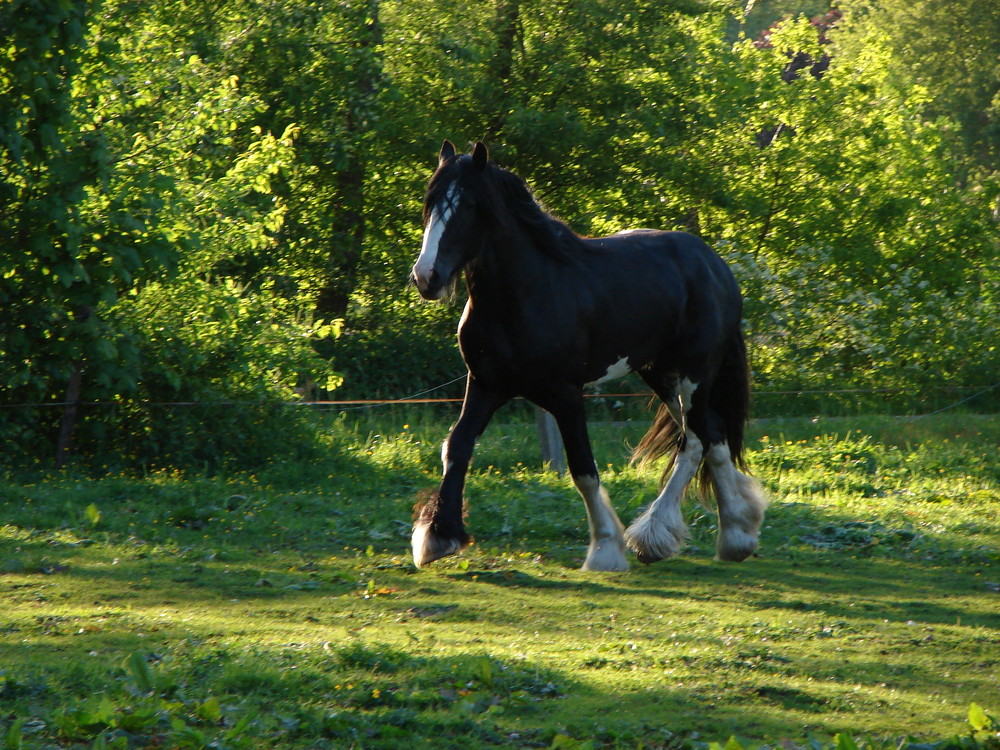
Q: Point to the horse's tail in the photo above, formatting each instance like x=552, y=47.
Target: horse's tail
x=729, y=399
x=663, y=438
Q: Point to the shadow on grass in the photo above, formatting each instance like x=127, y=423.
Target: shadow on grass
x=862, y=566
x=764, y=686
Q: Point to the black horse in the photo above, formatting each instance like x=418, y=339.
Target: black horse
x=549, y=312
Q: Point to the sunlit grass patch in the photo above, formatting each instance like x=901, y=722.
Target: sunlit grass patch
x=281, y=609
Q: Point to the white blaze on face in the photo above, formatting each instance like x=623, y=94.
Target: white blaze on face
x=440, y=215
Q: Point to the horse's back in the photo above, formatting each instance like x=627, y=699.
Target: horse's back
x=676, y=243
x=669, y=257
x=650, y=292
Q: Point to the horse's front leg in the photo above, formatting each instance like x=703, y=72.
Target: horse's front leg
x=607, y=542
x=438, y=529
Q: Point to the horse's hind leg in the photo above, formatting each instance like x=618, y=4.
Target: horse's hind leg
x=741, y=505
x=438, y=529
x=660, y=532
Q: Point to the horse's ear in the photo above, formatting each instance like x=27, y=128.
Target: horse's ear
x=480, y=156
x=447, y=151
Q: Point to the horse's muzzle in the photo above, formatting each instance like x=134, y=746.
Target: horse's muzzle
x=429, y=285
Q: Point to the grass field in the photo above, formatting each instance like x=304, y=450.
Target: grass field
x=280, y=609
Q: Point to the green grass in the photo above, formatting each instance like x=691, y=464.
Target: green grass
x=280, y=609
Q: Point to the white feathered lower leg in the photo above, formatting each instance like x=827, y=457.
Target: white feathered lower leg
x=660, y=532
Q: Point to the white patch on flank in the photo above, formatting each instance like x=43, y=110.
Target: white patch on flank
x=436, y=225
x=618, y=370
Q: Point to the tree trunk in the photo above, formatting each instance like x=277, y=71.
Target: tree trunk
x=68, y=421
x=348, y=219
x=502, y=63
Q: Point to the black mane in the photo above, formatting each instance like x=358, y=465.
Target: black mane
x=509, y=202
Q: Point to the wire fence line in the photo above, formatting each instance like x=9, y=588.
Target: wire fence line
x=67, y=414
x=954, y=405
x=422, y=398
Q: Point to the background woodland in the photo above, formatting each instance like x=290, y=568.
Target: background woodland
x=220, y=202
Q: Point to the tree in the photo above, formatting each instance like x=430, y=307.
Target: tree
x=65, y=253
x=129, y=163
x=192, y=194
x=949, y=51
x=856, y=237
x=566, y=93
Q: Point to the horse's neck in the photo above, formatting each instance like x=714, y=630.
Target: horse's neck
x=510, y=271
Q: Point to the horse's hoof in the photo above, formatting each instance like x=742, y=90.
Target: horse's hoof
x=647, y=559
x=652, y=543
x=610, y=559
x=735, y=546
x=428, y=547
x=731, y=554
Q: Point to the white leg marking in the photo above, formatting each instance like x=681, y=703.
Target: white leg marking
x=685, y=390
x=674, y=405
x=741, y=506
x=444, y=455
x=660, y=531
x=607, y=544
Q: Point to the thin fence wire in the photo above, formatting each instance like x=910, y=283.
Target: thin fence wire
x=954, y=405
x=211, y=432
x=421, y=397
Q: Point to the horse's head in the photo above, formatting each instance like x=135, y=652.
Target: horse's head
x=453, y=211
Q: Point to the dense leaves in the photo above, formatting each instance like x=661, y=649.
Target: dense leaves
x=195, y=199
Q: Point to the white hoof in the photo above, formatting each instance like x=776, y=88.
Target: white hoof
x=607, y=556
x=428, y=547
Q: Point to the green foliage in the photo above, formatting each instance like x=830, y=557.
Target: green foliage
x=930, y=43
x=197, y=199
x=161, y=278
x=57, y=266
x=865, y=257
x=838, y=207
